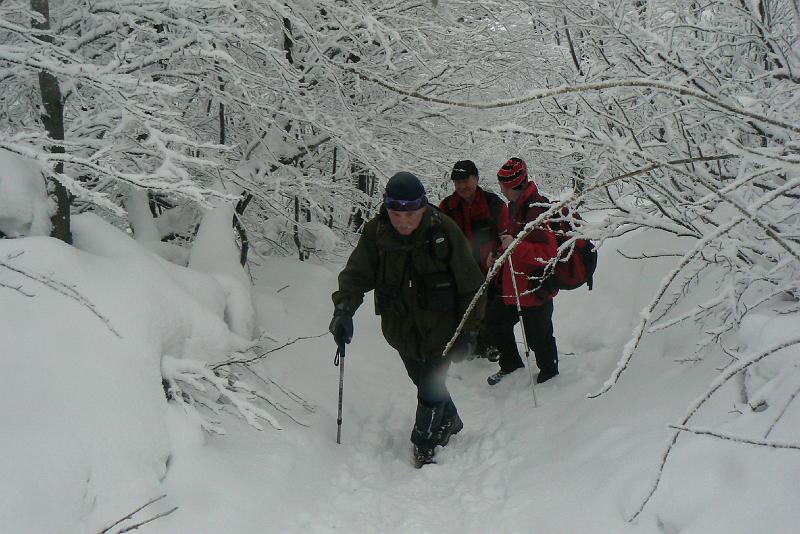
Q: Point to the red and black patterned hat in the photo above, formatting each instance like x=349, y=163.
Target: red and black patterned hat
x=513, y=173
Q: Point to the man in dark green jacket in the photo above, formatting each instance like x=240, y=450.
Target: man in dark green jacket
x=421, y=268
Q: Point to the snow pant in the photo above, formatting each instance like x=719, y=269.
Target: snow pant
x=485, y=335
x=538, y=324
x=435, y=408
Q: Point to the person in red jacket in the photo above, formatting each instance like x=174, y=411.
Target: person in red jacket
x=528, y=258
x=481, y=215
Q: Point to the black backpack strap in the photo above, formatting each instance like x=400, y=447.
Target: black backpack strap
x=438, y=241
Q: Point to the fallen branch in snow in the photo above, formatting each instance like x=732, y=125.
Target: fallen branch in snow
x=274, y=403
x=188, y=382
x=59, y=287
x=289, y=393
x=737, y=439
x=18, y=289
x=141, y=523
x=253, y=359
x=782, y=412
x=732, y=371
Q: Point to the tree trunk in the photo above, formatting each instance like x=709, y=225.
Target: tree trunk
x=53, y=120
x=297, y=228
x=237, y=223
x=333, y=179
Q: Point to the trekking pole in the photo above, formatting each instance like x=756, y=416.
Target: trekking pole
x=338, y=360
x=524, y=335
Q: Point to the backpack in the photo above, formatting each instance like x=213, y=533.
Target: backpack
x=579, y=268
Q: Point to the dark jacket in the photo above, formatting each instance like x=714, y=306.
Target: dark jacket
x=481, y=221
x=531, y=254
x=398, y=268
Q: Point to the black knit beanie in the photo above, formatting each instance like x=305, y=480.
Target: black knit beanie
x=404, y=186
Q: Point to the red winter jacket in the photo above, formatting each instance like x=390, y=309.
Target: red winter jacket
x=531, y=254
x=481, y=221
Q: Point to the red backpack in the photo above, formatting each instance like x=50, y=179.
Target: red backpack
x=579, y=268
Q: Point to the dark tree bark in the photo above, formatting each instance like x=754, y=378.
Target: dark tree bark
x=333, y=179
x=237, y=223
x=296, y=236
x=53, y=120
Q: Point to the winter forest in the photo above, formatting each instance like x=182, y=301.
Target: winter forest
x=181, y=182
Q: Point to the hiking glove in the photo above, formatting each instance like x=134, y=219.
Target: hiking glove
x=341, y=325
x=464, y=346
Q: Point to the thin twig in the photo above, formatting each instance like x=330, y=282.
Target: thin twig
x=288, y=392
x=263, y=355
x=62, y=288
x=782, y=412
x=18, y=289
x=137, y=525
x=737, y=439
x=130, y=515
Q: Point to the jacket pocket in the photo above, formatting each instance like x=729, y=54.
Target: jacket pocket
x=437, y=292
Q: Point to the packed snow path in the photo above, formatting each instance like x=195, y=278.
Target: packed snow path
x=570, y=465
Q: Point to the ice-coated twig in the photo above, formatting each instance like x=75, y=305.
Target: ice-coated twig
x=646, y=312
x=307, y=406
x=541, y=94
x=198, y=375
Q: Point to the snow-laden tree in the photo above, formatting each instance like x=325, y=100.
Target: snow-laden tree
x=269, y=97
x=681, y=117
x=675, y=115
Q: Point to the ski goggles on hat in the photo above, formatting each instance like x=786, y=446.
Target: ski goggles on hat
x=396, y=204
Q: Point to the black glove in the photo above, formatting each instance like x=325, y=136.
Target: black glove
x=464, y=346
x=341, y=325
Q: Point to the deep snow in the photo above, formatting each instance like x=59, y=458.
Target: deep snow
x=88, y=435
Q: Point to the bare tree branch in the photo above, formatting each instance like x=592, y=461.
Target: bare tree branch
x=60, y=287
x=258, y=357
x=130, y=515
x=736, y=439
x=732, y=371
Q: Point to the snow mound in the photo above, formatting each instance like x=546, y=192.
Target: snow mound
x=85, y=421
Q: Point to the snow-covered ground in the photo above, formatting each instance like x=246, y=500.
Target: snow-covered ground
x=88, y=435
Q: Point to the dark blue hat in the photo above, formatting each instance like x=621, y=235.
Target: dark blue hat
x=404, y=192
x=404, y=186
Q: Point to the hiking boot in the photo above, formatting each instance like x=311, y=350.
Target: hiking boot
x=498, y=376
x=492, y=354
x=423, y=456
x=453, y=426
x=546, y=375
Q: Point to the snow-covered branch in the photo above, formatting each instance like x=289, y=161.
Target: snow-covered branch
x=732, y=371
x=194, y=384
